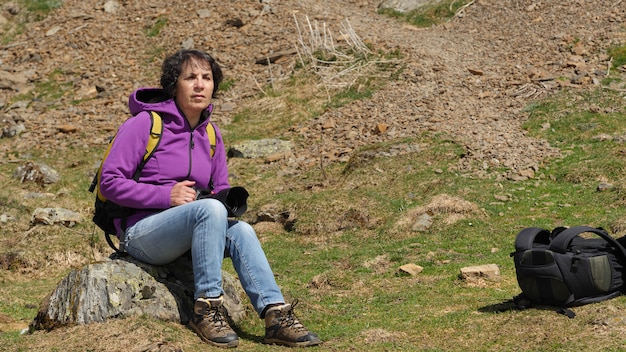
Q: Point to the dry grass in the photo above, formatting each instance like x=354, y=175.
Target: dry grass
x=338, y=68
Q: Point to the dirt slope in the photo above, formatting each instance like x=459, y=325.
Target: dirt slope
x=470, y=78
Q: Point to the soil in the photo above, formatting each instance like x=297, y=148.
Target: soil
x=471, y=77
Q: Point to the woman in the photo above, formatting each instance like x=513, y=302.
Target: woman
x=169, y=221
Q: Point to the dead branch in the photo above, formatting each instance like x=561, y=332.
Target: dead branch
x=461, y=11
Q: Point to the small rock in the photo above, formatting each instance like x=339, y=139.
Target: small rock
x=67, y=128
x=204, y=13
x=422, y=223
x=604, y=186
x=188, y=44
x=52, y=31
x=36, y=172
x=411, y=269
x=111, y=7
x=51, y=216
x=487, y=271
x=381, y=128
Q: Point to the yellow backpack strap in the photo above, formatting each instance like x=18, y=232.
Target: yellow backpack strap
x=95, y=184
x=210, y=132
x=156, y=130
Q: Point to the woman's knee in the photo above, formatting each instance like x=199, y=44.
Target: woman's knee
x=211, y=207
x=241, y=231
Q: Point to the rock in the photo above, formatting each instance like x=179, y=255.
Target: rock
x=204, y=13
x=381, y=128
x=39, y=173
x=487, y=271
x=404, y=5
x=187, y=44
x=14, y=81
x=51, y=216
x=604, y=186
x=52, y=31
x=123, y=287
x=12, y=130
x=111, y=7
x=422, y=222
x=411, y=269
x=260, y=148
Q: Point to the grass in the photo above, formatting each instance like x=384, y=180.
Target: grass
x=342, y=256
x=354, y=228
x=618, y=53
x=430, y=14
x=34, y=10
x=155, y=28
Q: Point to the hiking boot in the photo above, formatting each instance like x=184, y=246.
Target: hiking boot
x=209, y=323
x=283, y=328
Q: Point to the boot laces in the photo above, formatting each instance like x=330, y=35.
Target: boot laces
x=214, y=315
x=290, y=320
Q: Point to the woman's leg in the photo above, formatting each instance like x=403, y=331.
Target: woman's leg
x=200, y=226
x=250, y=262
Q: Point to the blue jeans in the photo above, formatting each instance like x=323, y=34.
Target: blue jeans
x=203, y=227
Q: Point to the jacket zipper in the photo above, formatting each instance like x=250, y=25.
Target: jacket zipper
x=191, y=146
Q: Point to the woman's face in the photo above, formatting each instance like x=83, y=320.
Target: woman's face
x=194, y=87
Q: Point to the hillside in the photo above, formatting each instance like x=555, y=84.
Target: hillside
x=479, y=70
x=66, y=78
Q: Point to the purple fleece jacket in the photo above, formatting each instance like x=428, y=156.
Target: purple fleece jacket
x=183, y=154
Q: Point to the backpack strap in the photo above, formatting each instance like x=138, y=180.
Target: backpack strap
x=156, y=131
x=210, y=132
x=527, y=236
x=95, y=183
x=561, y=242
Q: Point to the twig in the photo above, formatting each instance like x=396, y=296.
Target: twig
x=269, y=64
x=259, y=86
x=8, y=46
x=462, y=8
x=79, y=28
x=319, y=152
x=614, y=89
x=27, y=233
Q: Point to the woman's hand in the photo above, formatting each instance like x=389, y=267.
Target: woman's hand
x=182, y=193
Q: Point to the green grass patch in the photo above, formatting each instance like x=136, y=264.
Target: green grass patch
x=155, y=28
x=427, y=15
x=56, y=86
x=39, y=9
x=31, y=11
x=618, y=53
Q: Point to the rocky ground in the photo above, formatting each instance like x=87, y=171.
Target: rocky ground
x=470, y=78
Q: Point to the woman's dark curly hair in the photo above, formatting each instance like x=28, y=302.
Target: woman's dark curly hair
x=173, y=66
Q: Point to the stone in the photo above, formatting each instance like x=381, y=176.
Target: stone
x=487, y=271
x=36, y=172
x=411, y=269
x=122, y=287
x=260, y=148
x=604, y=186
x=404, y=5
x=51, y=216
x=111, y=7
x=204, y=13
x=422, y=222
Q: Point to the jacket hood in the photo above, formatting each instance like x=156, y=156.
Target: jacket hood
x=155, y=99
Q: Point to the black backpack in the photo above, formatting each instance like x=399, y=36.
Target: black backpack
x=564, y=269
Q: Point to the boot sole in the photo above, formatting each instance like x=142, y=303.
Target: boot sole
x=291, y=344
x=230, y=344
